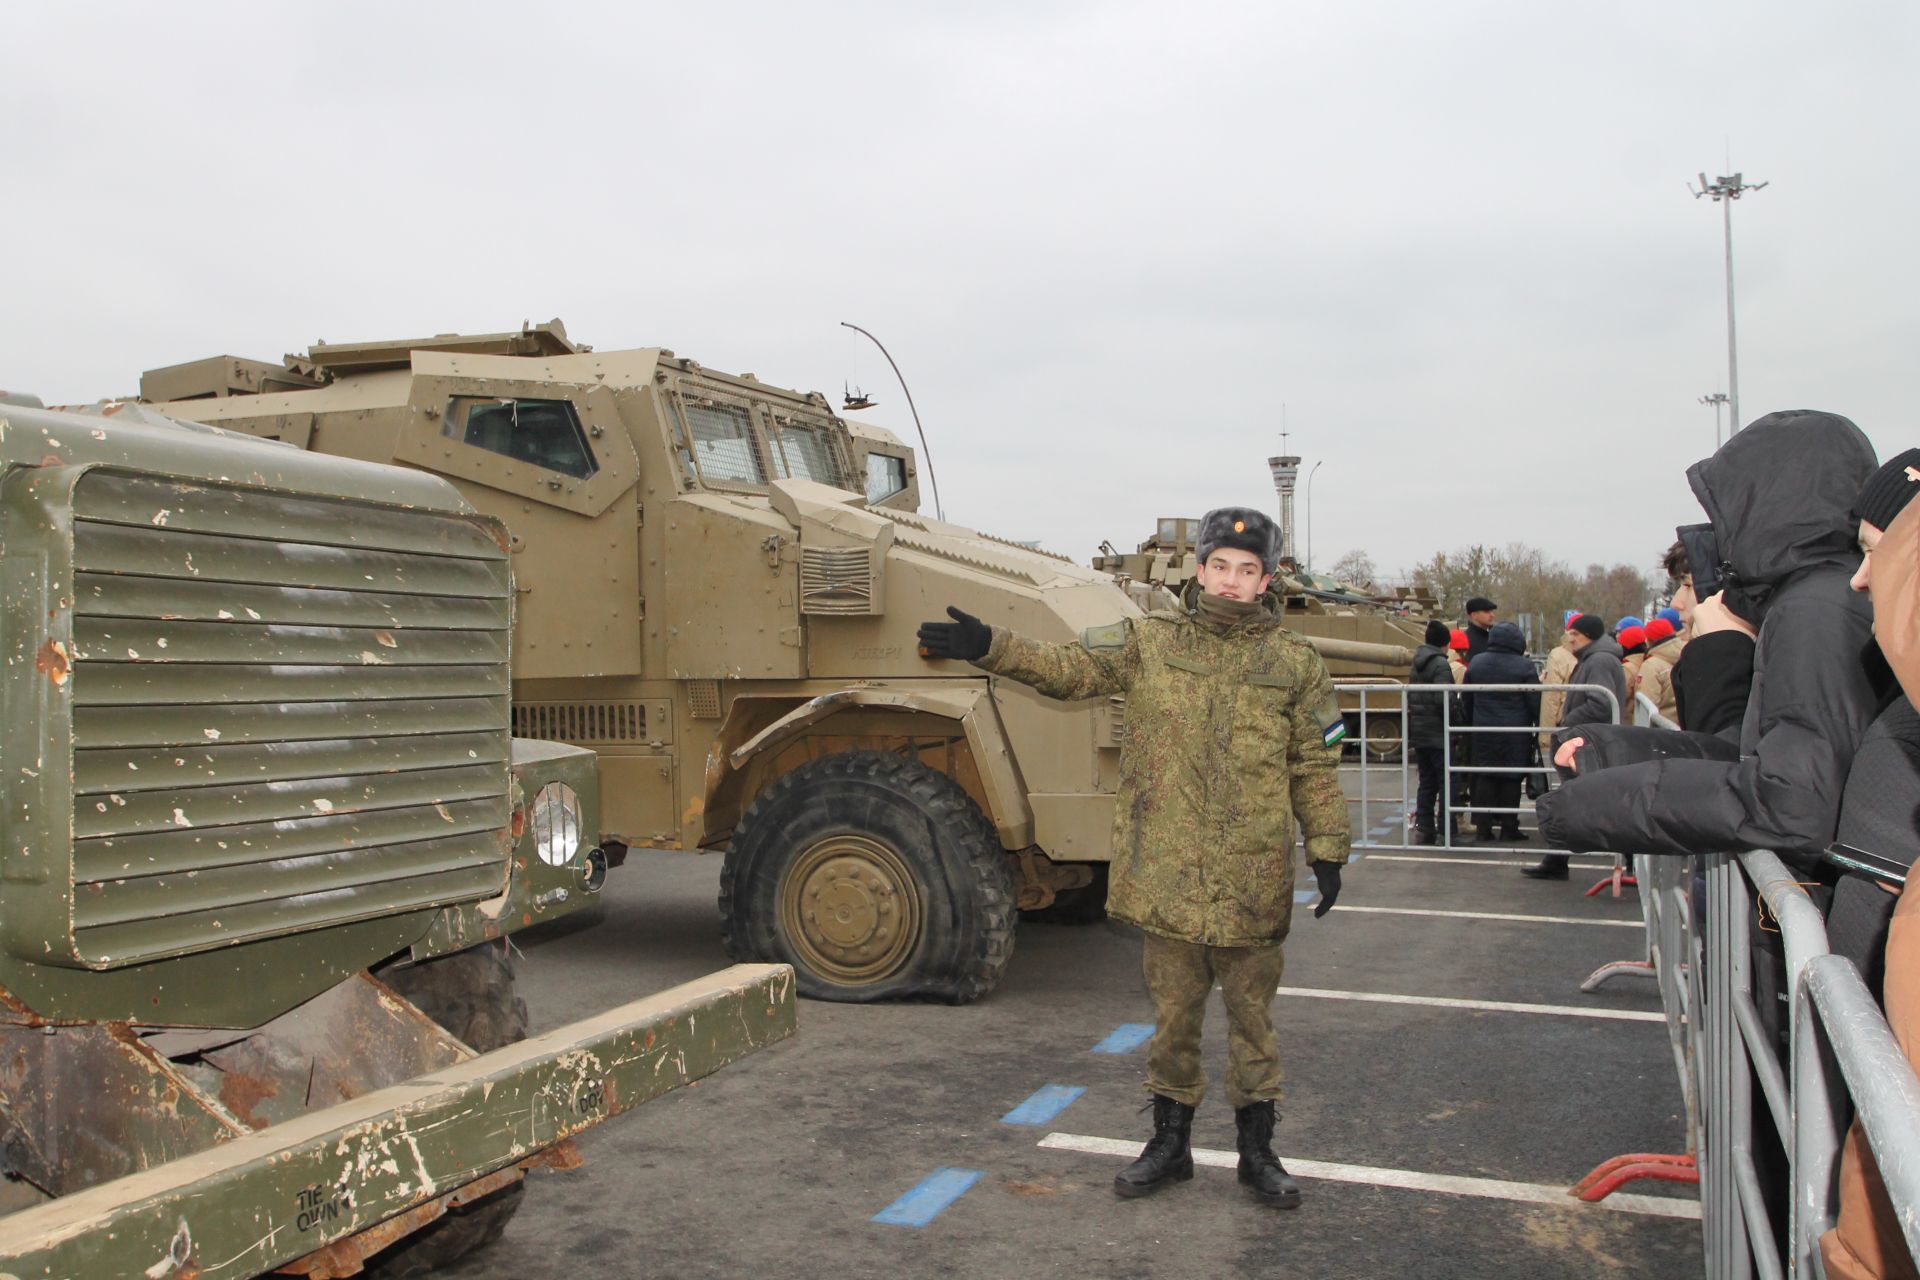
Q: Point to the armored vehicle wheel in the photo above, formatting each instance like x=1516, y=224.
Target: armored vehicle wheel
x=1086, y=905
x=1385, y=739
x=470, y=993
x=448, y=1238
x=876, y=877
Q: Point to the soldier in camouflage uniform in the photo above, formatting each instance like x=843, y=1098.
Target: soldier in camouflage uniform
x=1233, y=735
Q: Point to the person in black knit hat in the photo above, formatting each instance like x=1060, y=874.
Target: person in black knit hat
x=1426, y=726
x=1885, y=494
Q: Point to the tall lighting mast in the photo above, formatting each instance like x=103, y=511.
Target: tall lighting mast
x=1724, y=190
x=1716, y=399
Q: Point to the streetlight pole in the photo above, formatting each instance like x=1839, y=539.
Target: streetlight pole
x=1717, y=399
x=938, y=511
x=1724, y=190
x=1310, y=476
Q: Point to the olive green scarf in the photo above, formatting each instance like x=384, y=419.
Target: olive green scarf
x=1222, y=612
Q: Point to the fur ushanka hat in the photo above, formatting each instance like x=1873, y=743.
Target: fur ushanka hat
x=1243, y=529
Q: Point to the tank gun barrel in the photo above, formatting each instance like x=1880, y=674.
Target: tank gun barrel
x=1386, y=655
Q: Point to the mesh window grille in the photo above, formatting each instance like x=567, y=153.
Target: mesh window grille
x=804, y=454
x=722, y=436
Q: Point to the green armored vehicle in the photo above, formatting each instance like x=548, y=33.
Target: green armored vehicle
x=266, y=828
x=1363, y=638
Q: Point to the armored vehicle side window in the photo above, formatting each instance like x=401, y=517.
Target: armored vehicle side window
x=722, y=437
x=885, y=477
x=545, y=433
x=802, y=453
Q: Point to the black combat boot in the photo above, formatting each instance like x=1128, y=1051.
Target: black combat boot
x=1260, y=1169
x=1551, y=867
x=1168, y=1155
x=1425, y=835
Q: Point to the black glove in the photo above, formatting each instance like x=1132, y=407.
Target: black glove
x=1328, y=874
x=965, y=638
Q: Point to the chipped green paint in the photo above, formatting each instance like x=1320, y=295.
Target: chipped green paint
x=259, y=723
x=251, y=1204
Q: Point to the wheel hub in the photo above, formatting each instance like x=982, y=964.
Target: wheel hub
x=851, y=909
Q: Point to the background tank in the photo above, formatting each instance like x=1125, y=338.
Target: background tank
x=266, y=829
x=1360, y=636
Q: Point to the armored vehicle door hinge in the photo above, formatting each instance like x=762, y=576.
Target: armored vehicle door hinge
x=640, y=515
x=772, y=547
x=792, y=637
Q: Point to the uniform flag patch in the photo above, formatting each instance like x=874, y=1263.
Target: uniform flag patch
x=1333, y=725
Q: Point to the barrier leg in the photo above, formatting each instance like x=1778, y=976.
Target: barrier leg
x=1616, y=878
x=1616, y=968
x=1610, y=1175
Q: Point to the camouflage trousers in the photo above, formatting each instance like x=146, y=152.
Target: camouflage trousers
x=1179, y=977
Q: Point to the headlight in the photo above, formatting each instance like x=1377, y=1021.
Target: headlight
x=556, y=824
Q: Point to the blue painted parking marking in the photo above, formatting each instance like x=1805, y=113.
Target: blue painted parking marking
x=1047, y=1102
x=929, y=1199
x=1126, y=1037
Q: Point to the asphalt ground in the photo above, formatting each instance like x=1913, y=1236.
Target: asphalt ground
x=778, y=1165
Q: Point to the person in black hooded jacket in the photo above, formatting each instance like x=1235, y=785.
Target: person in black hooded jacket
x=1779, y=495
x=1504, y=662
x=1426, y=727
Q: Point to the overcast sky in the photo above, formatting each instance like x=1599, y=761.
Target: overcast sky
x=1107, y=243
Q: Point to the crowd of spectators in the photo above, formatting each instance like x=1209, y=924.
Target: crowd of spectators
x=1790, y=684
x=1780, y=682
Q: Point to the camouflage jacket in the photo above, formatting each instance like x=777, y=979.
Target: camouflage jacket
x=1231, y=735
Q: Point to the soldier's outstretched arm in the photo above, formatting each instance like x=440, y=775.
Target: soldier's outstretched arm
x=1313, y=759
x=1101, y=663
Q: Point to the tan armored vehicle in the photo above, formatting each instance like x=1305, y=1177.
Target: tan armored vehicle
x=1363, y=638
x=718, y=587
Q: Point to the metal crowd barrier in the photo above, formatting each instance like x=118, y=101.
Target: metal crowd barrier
x=1843, y=1053
x=1842, y=1058
x=1389, y=789
x=1647, y=712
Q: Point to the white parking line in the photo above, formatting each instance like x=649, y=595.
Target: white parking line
x=1493, y=915
x=1407, y=1179
x=1464, y=861
x=1486, y=1006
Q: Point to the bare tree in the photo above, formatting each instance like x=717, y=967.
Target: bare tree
x=1356, y=567
x=1531, y=588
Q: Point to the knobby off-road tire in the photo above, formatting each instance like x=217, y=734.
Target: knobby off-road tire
x=472, y=994
x=1083, y=906
x=876, y=877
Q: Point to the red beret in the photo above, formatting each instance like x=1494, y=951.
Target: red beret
x=1659, y=629
x=1631, y=636
x=1457, y=640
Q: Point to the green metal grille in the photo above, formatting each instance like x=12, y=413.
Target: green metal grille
x=288, y=713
